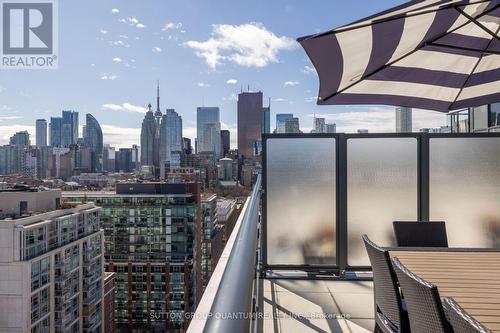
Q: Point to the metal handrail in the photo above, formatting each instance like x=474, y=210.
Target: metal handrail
x=228, y=308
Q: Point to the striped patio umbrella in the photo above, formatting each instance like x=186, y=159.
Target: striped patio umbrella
x=434, y=54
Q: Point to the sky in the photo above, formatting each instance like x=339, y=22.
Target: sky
x=203, y=52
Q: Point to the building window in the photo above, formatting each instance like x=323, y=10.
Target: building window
x=494, y=117
x=40, y=273
x=40, y=304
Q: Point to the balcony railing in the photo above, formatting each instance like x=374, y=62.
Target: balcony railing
x=322, y=192
x=330, y=189
x=229, y=296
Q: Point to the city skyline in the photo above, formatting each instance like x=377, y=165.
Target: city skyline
x=126, y=48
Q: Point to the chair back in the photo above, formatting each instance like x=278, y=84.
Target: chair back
x=460, y=320
x=387, y=296
x=420, y=234
x=425, y=311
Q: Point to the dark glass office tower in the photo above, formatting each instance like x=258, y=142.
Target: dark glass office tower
x=251, y=115
x=225, y=137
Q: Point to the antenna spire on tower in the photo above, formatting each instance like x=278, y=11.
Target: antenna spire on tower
x=158, y=96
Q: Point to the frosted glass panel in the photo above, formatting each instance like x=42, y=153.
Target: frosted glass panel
x=465, y=189
x=382, y=178
x=301, y=201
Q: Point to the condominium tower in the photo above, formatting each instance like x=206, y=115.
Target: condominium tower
x=208, y=130
x=51, y=265
x=403, y=119
x=41, y=132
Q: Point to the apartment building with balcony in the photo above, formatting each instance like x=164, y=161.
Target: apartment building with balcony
x=51, y=270
x=153, y=245
x=211, y=244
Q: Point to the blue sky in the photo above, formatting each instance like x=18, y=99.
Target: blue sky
x=203, y=52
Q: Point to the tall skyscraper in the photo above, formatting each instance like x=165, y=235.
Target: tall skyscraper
x=225, y=137
x=55, y=131
x=69, y=128
x=93, y=139
x=186, y=146
x=281, y=119
x=170, y=135
x=108, y=158
x=292, y=125
x=158, y=118
x=148, y=138
x=331, y=128
x=250, y=122
x=266, y=119
x=208, y=130
x=124, y=161
x=41, y=132
x=403, y=119
x=319, y=125
x=21, y=138
x=136, y=156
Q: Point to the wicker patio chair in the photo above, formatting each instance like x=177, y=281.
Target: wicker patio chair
x=390, y=315
x=423, y=302
x=460, y=320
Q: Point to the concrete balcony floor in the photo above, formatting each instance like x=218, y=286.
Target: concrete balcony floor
x=305, y=305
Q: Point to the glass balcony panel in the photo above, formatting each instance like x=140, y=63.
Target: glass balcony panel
x=301, y=212
x=465, y=189
x=382, y=178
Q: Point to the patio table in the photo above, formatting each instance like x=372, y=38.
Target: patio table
x=471, y=277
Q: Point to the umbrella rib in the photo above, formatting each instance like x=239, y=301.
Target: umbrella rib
x=454, y=47
x=479, y=24
x=473, y=70
x=402, y=57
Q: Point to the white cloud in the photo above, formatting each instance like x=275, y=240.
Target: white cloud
x=6, y=131
x=156, y=49
x=104, y=32
x=2, y=89
x=3, y=118
x=249, y=45
x=119, y=43
x=115, y=10
x=106, y=76
x=125, y=107
x=232, y=81
x=308, y=70
x=279, y=100
x=117, y=60
x=171, y=26
x=291, y=83
x=311, y=99
x=121, y=137
x=123, y=36
x=133, y=22
x=203, y=85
